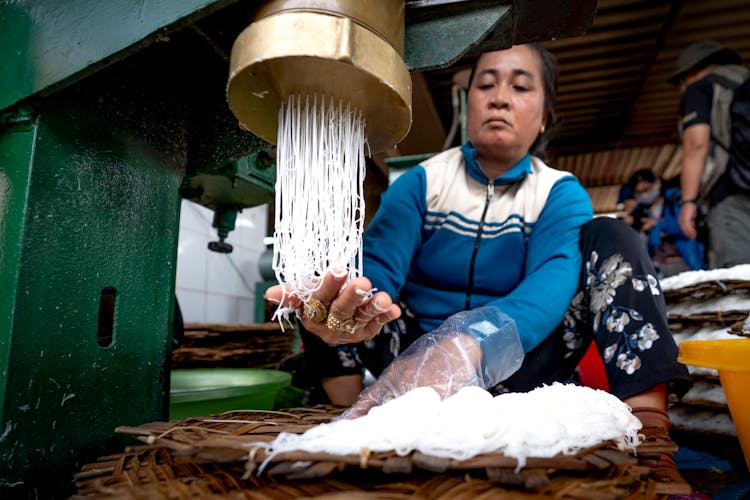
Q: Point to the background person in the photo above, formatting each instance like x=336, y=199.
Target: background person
x=626, y=198
x=655, y=215
x=646, y=203
x=706, y=73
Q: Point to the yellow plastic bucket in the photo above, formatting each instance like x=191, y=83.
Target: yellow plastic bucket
x=731, y=358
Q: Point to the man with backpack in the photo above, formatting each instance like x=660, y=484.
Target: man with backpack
x=715, y=131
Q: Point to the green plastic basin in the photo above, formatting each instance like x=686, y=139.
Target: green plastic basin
x=205, y=391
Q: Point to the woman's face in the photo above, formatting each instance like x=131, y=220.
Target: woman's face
x=647, y=192
x=505, y=111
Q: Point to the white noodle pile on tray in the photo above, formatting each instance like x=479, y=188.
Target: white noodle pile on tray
x=559, y=418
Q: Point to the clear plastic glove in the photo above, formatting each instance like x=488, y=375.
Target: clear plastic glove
x=480, y=347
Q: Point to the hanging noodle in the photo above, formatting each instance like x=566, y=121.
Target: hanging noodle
x=319, y=193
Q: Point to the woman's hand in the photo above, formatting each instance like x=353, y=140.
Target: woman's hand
x=451, y=357
x=647, y=224
x=341, y=314
x=445, y=361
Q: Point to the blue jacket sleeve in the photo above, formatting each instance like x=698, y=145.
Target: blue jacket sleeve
x=395, y=233
x=553, y=264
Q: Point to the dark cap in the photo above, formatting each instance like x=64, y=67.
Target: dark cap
x=701, y=54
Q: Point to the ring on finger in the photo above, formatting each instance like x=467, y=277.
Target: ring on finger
x=315, y=311
x=350, y=325
x=333, y=323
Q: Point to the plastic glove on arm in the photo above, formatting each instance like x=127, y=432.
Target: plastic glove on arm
x=480, y=347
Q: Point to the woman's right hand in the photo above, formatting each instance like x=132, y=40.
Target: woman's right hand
x=340, y=314
x=444, y=360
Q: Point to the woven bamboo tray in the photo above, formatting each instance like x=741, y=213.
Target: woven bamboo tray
x=706, y=290
x=719, y=318
x=210, y=345
x=213, y=457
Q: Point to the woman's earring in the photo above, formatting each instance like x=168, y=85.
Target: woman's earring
x=541, y=130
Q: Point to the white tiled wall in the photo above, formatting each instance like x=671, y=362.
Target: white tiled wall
x=213, y=287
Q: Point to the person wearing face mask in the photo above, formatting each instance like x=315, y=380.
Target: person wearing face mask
x=645, y=208
x=651, y=194
x=656, y=216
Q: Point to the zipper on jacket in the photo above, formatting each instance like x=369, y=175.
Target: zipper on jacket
x=470, y=287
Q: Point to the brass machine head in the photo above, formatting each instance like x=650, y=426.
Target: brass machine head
x=342, y=48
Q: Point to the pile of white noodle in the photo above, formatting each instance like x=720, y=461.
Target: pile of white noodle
x=559, y=418
x=319, y=192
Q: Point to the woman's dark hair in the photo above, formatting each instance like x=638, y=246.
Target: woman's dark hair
x=549, y=77
x=642, y=175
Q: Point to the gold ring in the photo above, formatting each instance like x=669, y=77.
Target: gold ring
x=315, y=311
x=350, y=325
x=335, y=324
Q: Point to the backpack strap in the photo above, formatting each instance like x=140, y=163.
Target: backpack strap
x=730, y=76
x=725, y=78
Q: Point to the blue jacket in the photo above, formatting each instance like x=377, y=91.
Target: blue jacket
x=525, y=226
x=692, y=251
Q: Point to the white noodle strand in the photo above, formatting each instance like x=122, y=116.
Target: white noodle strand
x=319, y=193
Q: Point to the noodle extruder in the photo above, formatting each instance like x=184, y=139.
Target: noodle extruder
x=110, y=114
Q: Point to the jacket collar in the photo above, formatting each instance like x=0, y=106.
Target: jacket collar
x=518, y=172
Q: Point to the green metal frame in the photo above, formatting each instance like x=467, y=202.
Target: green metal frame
x=82, y=213
x=434, y=42
x=90, y=180
x=36, y=38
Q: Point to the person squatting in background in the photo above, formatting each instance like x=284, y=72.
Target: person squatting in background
x=654, y=212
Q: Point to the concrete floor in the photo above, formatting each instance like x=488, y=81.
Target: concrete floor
x=713, y=465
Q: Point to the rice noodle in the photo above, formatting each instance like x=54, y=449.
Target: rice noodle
x=559, y=418
x=319, y=192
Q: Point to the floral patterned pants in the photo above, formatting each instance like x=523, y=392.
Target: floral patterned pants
x=619, y=306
